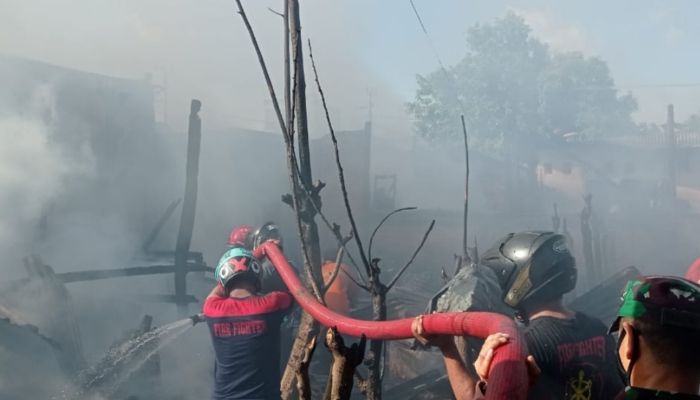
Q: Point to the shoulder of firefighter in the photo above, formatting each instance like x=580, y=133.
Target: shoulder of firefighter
x=222, y=307
x=664, y=300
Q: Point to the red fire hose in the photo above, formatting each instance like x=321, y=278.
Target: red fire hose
x=508, y=379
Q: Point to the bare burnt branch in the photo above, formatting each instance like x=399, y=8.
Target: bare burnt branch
x=339, y=165
x=458, y=264
x=338, y=261
x=317, y=187
x=275, y=12
x=287, y=75
x=413, y=257
x=374, y=233
x=263, y=66
x=159, y=225
x=443, y=274
x=291, y=157
x=358, y=284
x=335, y=229
x=465, y=249
x=288, y=199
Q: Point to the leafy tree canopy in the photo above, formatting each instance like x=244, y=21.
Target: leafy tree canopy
x=511, y=87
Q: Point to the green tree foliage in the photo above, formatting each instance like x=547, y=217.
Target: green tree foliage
x=512, y=87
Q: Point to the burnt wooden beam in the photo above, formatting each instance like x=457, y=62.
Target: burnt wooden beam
x=61, y=324
x=159, y=225
x=167, y=298
x=192, y=256
x=189, y=205
x=94, y=275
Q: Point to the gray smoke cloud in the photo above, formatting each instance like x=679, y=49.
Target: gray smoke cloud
x=102, y=177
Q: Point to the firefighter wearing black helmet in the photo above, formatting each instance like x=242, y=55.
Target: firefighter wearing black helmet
x=572, y=355
x=576, y=356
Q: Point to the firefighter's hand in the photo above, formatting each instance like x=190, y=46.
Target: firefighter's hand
x=440, y=341
x=493, y=342
x=483, y=361
x=533, y=370
x=276, y=242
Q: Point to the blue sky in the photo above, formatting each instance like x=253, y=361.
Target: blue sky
x=202, y=49
x=644, y=42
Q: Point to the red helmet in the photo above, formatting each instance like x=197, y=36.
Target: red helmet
x=241, y=236
x=693, y=273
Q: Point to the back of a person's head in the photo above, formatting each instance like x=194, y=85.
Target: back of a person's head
x=671, y=347
x=665, y=313
x=245, y=281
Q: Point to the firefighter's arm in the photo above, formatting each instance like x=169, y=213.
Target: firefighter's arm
x=483, y=361
x=464, y=387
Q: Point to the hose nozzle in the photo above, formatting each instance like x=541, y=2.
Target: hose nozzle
x=197, y=318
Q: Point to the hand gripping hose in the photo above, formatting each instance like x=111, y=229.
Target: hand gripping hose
x=508, y=378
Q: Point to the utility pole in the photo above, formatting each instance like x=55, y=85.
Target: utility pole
x=370, y=105
x=671, y=137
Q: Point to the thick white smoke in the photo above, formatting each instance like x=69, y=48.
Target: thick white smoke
x=33, y=171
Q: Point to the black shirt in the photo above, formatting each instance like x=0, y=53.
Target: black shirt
x=577, y=358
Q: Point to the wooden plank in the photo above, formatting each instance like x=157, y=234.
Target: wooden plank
x=166, y=298
x=84, y=276
x=184, y=236
x=159, y=225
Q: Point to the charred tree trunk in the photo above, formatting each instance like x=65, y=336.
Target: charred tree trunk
x=287, y=72
x=305, y=196
x=308, y=327
x=345, y=361
x=303, y=383
x=374, y=360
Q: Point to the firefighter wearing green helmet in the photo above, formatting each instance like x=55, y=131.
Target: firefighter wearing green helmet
x=657, y=330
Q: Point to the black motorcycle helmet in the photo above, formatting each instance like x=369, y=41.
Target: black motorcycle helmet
x=269, y=231
x=532, y=267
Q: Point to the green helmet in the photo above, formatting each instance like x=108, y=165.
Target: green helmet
x=666, y=301
x=237, y=262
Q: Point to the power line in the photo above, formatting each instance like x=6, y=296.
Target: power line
x=659, y=85
x=449, y=77
x=430, y=41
